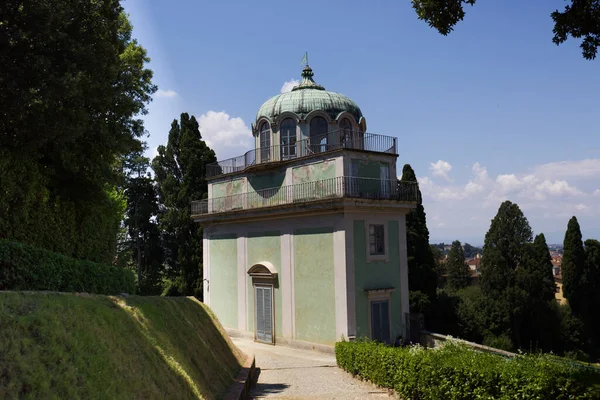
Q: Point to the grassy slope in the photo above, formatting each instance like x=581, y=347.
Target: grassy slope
x=68, y=346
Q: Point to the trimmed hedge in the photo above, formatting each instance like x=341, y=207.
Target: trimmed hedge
x=25, y=267
x=459, y=372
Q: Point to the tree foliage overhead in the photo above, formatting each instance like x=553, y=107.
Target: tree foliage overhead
x=180, y=175
x=421, y=264
x=580, y=19
x=73, y=84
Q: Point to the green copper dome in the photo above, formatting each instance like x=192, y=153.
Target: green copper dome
x=306, y=97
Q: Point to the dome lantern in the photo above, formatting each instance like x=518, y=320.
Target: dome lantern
x=307, y=80
x=306, y=97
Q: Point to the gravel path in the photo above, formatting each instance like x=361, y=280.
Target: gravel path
x=288, y=373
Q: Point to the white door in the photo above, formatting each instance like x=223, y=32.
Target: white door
x=264, y=313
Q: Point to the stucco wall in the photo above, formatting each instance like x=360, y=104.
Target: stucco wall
x=313, y=172
x=369, y=168
x=258, y=183
x=265, y=246
x=223, y=278
x=377, y=275
x=228, y=188
x=314, y=285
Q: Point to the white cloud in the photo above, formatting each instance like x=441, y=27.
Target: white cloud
x=227, y=136
x=289, y=85
x=441, y=169
x=462, y=211
x=557, y=188
x=473, y=187
x=480, y=172
x=166, y=93
x=582, y=169
x=508, y=182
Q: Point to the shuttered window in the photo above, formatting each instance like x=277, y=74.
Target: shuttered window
x=376, y=240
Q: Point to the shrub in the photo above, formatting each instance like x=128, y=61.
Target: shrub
x=459, y=372
x=25, y=267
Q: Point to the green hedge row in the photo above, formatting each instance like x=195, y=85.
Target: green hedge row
x=25, y=267
x=459, y=372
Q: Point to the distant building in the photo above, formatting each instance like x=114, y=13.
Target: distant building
x=475, y=263
x=305, y=234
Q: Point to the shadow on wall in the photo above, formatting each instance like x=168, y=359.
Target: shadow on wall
x=267, y=181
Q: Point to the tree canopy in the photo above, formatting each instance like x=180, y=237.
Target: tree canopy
x=573, y=263
x=73, y=85
x=180, y=169
x=421, y=265
x=458, y=272
x=580, y=19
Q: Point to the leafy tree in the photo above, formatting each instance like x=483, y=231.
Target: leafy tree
x=471, y=251
x=421, y=265
x=459, y=274
x=535, y=289
x=144, y=245
x=580, y=19
x=181, y=178
x=73, y=84
x=573, y=263
x=440, y=264
x=591, y=286
x=503, y=252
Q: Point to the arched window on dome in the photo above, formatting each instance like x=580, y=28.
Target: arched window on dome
x=318, y=134
x=265, y=142
x=346, y=133
x=287, y=132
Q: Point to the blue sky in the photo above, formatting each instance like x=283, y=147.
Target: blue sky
x=493, y=111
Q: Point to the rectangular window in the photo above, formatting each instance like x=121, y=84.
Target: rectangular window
x=376, y=240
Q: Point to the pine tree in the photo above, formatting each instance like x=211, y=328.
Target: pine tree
x=421, y=265
x=458, y=272
x=573, y=263
x=180, y=174
x=544, y=278
x=591, y=277
x=504, y=250
x=535, y=290
x=144, y=243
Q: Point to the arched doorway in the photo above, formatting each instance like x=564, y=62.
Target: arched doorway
x=264, y=281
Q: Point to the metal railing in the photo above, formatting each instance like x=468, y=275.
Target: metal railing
x=343, y=186
x=339, y=139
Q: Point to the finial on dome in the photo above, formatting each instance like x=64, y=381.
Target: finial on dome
x=307, y=80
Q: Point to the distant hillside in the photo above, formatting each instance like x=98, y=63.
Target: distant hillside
x=100, y=347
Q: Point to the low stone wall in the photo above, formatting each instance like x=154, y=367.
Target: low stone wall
x=430, y=339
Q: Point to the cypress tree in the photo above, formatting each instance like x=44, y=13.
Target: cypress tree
x=421, y=264
x=545, y=286
x=573, y=263
x=591, y=290
x=458, y=272
x=181, y=178
x=503, y=247
x=534, y=292
x=504, y=250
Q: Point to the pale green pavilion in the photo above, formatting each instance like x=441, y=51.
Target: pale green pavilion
x=305, y=235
